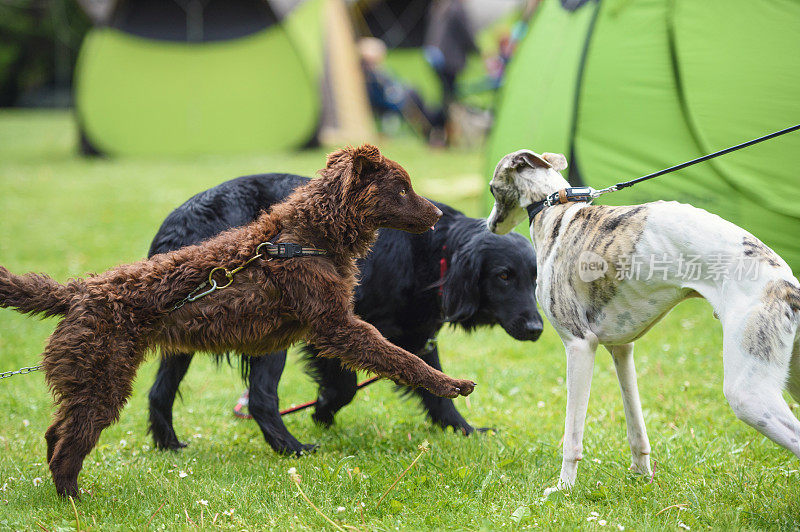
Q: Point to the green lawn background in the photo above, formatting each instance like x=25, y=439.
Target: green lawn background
x=66, y=216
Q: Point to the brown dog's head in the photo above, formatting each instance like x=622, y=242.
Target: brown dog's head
x=379, y=190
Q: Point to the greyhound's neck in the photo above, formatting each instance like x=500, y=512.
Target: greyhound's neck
x=533, y=192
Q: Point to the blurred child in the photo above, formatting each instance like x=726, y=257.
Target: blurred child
x=389, y=95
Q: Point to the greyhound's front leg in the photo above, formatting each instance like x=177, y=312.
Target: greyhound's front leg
x=637, y=433
x=580, y=364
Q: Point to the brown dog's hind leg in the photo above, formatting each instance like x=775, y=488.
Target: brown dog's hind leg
x=92, y=393
x=78, y=434
x=51, y=437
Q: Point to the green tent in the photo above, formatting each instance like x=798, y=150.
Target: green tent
x=220, y=76
x=626, y=87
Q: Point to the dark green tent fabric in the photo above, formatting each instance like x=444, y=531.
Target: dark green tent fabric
x=664, y=81
x=167, y=96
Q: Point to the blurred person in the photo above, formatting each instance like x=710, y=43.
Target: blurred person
x=448, y=41
x=389, y=95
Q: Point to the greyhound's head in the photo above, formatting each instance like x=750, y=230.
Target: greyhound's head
x=521, y=178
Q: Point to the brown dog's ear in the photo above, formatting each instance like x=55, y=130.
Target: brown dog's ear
x=556, y=160
x=362, y=158
x=337, y=157
x=365, y=157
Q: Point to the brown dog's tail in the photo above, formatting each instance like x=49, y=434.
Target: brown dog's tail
x=33, y=293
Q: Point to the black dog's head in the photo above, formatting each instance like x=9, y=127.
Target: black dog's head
x=492, y=280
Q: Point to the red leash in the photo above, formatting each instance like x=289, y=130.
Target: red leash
x=245, y=398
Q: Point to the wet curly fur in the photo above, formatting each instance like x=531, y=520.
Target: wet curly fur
x=410, y=286
x=110, y=320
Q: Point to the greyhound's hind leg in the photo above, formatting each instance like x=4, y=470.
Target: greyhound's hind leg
x=757, y=357
x=793, y=382
x=637, y=433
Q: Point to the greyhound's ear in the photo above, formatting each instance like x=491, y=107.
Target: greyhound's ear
x=531, y=159
x=556, y=160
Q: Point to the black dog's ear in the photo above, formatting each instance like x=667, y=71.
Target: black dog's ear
x=461, y=290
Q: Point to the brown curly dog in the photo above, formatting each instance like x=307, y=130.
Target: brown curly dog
x=110, y=320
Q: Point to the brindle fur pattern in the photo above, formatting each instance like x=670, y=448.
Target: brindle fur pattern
x=770, y=322
x=750, y=288
x=754, y=248
x=609, y=232
x=112, y=319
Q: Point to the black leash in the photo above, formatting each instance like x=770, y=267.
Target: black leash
x=588, y=194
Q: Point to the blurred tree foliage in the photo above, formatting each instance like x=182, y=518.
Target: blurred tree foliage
x=39, y=42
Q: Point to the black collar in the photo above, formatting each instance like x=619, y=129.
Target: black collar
x=288, y=250
x=534, y=209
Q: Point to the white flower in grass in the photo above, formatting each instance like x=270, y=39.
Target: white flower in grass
x=37, y=481
x=123, y=443
x=683, y=526
x=340, y=509
x=591, y=518
x=602, y=522
x=292, y=471
x=25, y=422
x=594, y=514
x=202, y=502
x=620, y=527
x=5, y=486
x=229, y=512
x=183, y=474
x=540, y=404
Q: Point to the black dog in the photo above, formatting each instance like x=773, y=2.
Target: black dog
x=410, y=286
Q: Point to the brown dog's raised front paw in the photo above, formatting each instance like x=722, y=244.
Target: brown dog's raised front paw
x=448, y=387
x=466, y=387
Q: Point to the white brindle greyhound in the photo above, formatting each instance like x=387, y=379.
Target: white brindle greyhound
x=606, y=275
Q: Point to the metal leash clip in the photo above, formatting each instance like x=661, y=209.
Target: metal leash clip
x=572, y=194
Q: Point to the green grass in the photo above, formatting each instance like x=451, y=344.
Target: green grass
x=66, y=216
